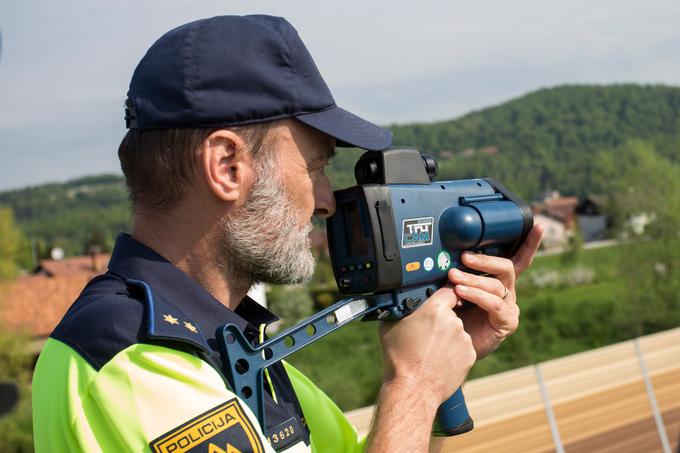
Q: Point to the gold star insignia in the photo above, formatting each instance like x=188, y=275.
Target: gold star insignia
x=170, y=319
x=190, y=326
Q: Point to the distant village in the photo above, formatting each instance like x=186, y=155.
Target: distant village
x=35, y=302
x=564, y=216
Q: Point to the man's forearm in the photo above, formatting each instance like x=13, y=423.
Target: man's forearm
x=403, y=420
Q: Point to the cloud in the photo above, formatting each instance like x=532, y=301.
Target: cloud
x=65, y=66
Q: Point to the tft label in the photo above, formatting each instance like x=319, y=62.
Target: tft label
x=417, y=232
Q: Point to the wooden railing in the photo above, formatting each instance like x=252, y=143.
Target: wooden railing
x=620, y=398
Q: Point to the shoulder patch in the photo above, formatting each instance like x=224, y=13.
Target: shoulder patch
x=223, y=429
x=167, y=322
x=104, y=320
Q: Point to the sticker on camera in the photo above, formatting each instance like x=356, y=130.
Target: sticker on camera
x=443, y=261
x=417, y=232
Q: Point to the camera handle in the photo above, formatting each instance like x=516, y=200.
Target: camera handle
x=245, y=363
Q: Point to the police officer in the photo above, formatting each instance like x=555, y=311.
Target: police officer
x=231, y=126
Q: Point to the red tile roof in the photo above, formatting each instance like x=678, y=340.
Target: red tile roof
x=562, y=209
x=36, y=303
x=75, y=265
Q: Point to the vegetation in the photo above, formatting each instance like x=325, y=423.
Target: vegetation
x=579, y=300
x=16, y=429
x=72, y=215
x=14, y=248
x=621, y=142
x=556, y=321
x=548, y=139
x=290, y=303
x=648, y=185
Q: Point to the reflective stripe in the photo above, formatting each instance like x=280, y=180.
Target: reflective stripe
x=144, y=392
x=266, y=371
x=331, y=432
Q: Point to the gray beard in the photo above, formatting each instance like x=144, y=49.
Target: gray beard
x=263, y=241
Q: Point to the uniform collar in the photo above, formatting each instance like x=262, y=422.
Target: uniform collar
x=174, y=293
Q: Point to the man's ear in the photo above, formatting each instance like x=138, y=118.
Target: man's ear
x=227, y=166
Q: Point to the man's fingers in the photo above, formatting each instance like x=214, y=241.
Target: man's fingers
x=445, y=295
x=525, y=254
x=499, y=311
x=502, y=268
x=489, y=284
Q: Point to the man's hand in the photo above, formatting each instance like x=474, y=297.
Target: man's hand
x=426, y=357
x=428, y=351
x=493, y=314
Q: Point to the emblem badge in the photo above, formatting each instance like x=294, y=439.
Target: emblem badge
x=225, y=428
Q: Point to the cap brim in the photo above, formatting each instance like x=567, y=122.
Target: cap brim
x=348, y=129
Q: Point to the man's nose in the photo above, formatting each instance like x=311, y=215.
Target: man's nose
x=324, y=200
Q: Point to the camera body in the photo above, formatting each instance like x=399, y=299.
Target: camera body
x=392, y=240
x=397, y=229
x=395, y=235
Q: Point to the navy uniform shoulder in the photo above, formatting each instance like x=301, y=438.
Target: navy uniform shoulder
x=106, y=318
x=112, y=314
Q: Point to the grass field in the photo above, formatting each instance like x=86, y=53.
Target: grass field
x=558, y=319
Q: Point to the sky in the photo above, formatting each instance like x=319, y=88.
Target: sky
x=65, y=66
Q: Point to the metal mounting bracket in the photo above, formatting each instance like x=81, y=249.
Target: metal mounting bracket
x=245, y=363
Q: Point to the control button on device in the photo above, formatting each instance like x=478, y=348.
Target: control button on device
x=413, y=266
x=382, y=314
x=409, y=303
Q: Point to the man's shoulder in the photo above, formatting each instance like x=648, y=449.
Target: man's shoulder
x=106, y=318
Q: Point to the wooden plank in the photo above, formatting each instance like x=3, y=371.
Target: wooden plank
x=639, y=436
x=671, y=420
x=361, y=419
x=667, y=389
x=661, y=351
x=525, y=433
x=598, y=396
x=591, y=372
x=504, y=395
x=603, y=411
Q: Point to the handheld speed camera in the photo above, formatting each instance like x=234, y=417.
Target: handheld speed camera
x=398, y=230
x=392, y=240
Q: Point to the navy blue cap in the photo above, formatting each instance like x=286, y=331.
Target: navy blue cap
x=237, y=70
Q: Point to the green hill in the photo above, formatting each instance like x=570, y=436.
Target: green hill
x=71, y=215
x=547, y=138
x=551, y=138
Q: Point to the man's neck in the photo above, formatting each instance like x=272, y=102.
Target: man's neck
x=194, y=252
